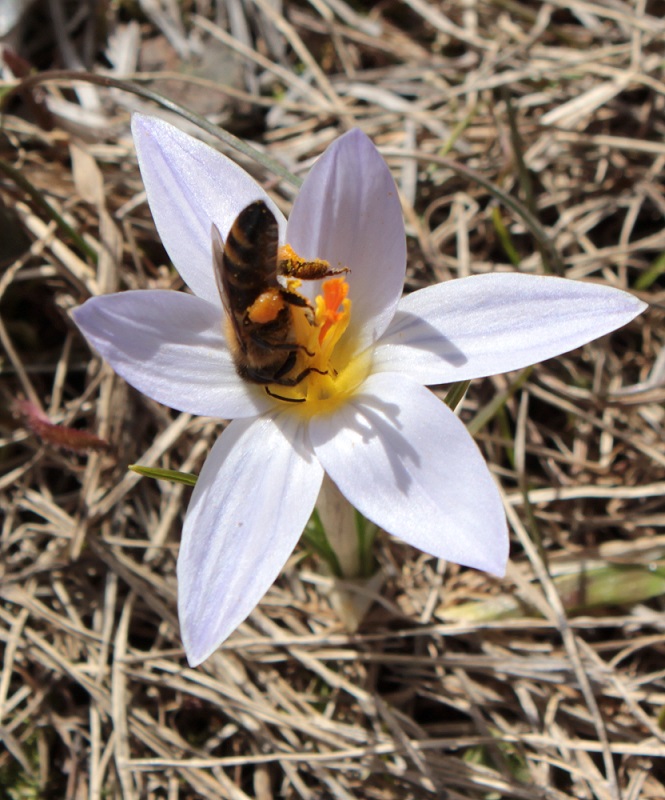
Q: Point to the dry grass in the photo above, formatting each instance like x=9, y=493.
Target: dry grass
x=551, y=684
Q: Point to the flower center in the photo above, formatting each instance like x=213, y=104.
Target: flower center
x=328, y=374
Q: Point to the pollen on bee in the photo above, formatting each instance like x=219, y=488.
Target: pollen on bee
x=266, y=307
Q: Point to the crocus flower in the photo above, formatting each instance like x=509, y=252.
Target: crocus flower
x=396, y=452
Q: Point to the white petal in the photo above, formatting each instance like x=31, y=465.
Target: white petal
x=487, y=324
x=251, y=502
x=404, y=460
x=348, y=212
x=190, y=186
x=169, y=345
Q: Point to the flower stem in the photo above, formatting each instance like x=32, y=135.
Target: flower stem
x=338, y=522
x=349, y=538
x=315, y=538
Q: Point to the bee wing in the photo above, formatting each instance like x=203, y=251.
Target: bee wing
x=221, y=279
x=246, y=265
x=218, y=265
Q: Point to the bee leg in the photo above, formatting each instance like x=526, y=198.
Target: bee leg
x=292, y=348
x=280, y=380
x=287, y=366
x=274, y=373
x=286, y=399
x=307, y=371
x=293, y=382
x=295, y=299
x=292, y=265
x=266, y=344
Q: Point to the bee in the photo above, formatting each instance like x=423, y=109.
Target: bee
x=260, y=328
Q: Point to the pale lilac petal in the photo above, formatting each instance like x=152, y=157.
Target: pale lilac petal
x=348, y=212
x=487, y=324
x=169, y=345
x=405, y=461
x=190, y=186
x=251, y=502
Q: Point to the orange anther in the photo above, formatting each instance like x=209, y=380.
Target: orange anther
x=334, y=292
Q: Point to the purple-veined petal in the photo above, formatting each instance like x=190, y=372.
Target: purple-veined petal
x=404, y=460
x=487, y=324
x=190, y=186
x=170, y=346
x=250, y=504
x=348, y=212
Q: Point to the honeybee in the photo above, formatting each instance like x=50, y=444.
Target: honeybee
x=258, y=307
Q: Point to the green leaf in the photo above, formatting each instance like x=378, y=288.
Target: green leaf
x=504, y=237
x=652, y=274
x=164, y=474
x=582, y=587
x=456, y=394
